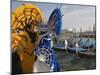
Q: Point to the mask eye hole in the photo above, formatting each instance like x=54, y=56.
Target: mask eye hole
x=35, y=29
x=17, y=31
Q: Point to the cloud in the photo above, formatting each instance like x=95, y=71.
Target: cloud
x=78, y=16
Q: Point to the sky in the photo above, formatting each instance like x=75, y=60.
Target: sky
x=75, y=16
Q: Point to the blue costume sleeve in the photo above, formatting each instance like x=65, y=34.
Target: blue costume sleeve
x=50, y=56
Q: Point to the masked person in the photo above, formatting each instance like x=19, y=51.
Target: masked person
x=46, y=57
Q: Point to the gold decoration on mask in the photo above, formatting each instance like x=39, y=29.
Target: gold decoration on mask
x=25, y=19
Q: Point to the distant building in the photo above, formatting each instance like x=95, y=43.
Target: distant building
x=94, y=29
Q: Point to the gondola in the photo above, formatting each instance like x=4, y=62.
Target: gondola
x=73, y=50
x=80, y=52
x=59, y=48
x=69, y=49
x=86, y=55
x=89, y=43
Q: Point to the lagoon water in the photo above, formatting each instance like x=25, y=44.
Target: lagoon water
x=69, y=62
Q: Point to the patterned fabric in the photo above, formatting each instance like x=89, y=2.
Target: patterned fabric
x=55, y=22
x=46, y=54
